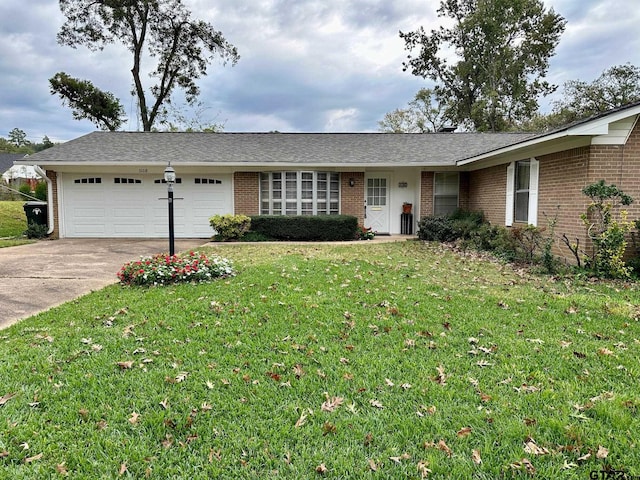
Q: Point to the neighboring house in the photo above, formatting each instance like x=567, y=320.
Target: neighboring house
x=110, y=184
x=16, y=174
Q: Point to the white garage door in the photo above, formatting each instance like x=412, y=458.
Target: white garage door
x=136, y=205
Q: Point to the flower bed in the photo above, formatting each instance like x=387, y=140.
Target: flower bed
x=164, y=269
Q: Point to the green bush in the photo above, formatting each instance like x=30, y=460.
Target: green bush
x=41, y=191
x=35, y=230
x=607, y=233
x=305, y=227
x=230, y=227
x=25, y=189
x=461, y=224
x=438, y=228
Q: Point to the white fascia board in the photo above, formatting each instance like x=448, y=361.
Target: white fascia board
x=599, y=126
x=513, y=148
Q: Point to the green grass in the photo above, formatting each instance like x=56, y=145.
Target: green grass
x=372, y=360
x=13, y=223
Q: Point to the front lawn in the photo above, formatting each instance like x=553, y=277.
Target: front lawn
x=399, y=360
x=13, y=223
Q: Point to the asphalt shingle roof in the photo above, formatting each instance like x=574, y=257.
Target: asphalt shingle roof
x=256, y=149
x=6, y=160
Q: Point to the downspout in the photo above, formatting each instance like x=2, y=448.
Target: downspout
x=43, y=174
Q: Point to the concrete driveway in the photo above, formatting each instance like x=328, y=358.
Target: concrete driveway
x=41, y=275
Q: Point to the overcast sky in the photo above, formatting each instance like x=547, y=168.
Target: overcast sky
x=306, y=65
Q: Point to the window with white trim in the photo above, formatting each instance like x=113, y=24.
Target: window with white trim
x=299, y=193
x=446, y=186
x=522, y=192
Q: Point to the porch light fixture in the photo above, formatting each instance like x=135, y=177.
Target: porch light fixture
x=352, y=182
x=170, y=179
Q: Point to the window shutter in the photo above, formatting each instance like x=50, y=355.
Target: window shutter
x=533, y=191
x=511, y=180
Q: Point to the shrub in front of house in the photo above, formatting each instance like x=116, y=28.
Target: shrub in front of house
x=36, y=231
x=325, y=228
x=230, y=227
x=447, y=228
x=165, y=269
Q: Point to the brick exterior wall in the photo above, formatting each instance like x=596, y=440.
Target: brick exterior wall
x=246, y=193
x=426, y=194
x=352, y=198
x=488, y=191
x=562, y=176
x=53, y=176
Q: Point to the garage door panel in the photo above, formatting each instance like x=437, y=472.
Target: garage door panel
x=140, y=209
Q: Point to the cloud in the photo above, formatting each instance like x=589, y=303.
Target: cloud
x=306, y=65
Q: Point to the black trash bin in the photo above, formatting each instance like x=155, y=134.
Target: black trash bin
x=36, y=213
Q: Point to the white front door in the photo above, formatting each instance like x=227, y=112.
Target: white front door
x=377, y=203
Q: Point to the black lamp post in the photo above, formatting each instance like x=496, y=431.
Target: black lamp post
x=170, y=178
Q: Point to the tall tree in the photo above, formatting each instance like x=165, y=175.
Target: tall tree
x=425, y=113
x=615, y=87
x=150, y=29
x=18, y=138
x=502, y=48
x=88, y=101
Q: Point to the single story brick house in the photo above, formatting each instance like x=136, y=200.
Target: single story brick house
x=110, y=184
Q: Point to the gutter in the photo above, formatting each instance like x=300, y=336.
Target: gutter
x=43, y=174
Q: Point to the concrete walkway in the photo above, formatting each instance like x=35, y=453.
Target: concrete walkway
x=45, y=274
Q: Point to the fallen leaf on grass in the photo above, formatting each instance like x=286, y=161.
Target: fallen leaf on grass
x=328, y=428
x=33, y=459
x=6, y=397
x=133, y=419
x=464, y=432
x=181, y=377
x=524, y=463
x=298, y=371
x=532, y=448
x=444, y=447
x=321, y=469
x=604, y=351
x=302, y=420
x=62, y=469
x=422, y=468
x=372, y=465
x=376, y=404
x=442, y=377
x=217, y=454
x=404, y=456
x=475, y=456
x=331, y=404
x=602, y=452
x=123, y=469
x=125, y=365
